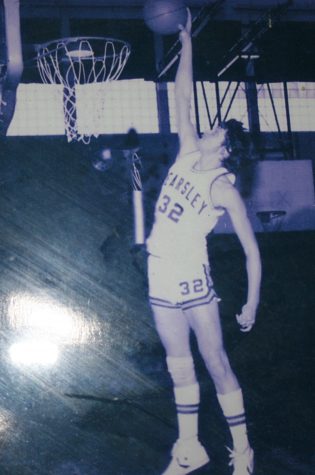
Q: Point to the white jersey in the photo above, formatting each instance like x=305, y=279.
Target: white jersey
x=184, y=213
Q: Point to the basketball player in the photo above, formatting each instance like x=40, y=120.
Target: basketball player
x=197, y=190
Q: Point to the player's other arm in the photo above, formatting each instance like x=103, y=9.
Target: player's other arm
x=226, y=195
x=183, y=91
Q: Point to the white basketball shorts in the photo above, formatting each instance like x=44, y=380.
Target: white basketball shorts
x=179, y=285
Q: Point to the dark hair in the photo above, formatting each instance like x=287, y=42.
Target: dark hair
x=238, y=145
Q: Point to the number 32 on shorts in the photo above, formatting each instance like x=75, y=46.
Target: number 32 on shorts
x=172, y=210
x=193, y=287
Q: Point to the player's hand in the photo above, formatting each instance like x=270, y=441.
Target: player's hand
x=185, y=31
x=247, y=318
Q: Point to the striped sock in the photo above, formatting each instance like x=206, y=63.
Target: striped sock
x=232, y=405
x=187, y=400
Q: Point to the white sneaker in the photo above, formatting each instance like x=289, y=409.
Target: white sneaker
x=186, y=457
x=242, y=462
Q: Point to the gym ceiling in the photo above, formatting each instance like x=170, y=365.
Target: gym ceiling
x=281, y=33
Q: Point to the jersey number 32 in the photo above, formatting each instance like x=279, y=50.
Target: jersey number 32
x=172, y=210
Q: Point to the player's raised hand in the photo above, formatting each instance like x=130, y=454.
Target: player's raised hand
x=185, y=31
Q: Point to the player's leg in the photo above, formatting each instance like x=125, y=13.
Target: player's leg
x=205, y=322
x=174, y=331
x=173, y=328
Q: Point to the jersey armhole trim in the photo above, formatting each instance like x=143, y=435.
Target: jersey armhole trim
x=210, y=188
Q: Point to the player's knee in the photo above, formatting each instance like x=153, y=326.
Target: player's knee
x=182, y=370
x=217, y=363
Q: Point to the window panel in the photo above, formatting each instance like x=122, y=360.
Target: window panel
x=39, y=110
x=302, y=106
x=102, y=108
x=237, y=111
x=116, y=106
x=266, y=115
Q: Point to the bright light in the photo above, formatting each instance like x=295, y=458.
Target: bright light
x=6, y=424
x=34, y=352
x=106, y=154
x=48, y=318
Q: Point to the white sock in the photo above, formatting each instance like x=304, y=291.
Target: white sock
x=187, y=400
x=232, y=405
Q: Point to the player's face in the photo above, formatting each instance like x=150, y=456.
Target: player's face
x=213, y=142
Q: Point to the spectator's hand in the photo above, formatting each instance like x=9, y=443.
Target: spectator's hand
x=185, y=31
x=247, y=318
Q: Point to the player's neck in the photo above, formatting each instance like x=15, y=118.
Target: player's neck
x=206, y=163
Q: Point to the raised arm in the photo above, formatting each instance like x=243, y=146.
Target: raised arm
x=183, y=91
x=224, y=194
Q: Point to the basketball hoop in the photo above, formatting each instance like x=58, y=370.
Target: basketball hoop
x=78, y=61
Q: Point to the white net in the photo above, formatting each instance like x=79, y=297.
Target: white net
x=135, y=165
x=78, y=61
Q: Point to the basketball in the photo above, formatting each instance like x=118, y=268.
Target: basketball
x=164, y=16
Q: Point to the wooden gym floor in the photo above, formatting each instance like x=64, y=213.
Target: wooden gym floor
x=106, y=407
